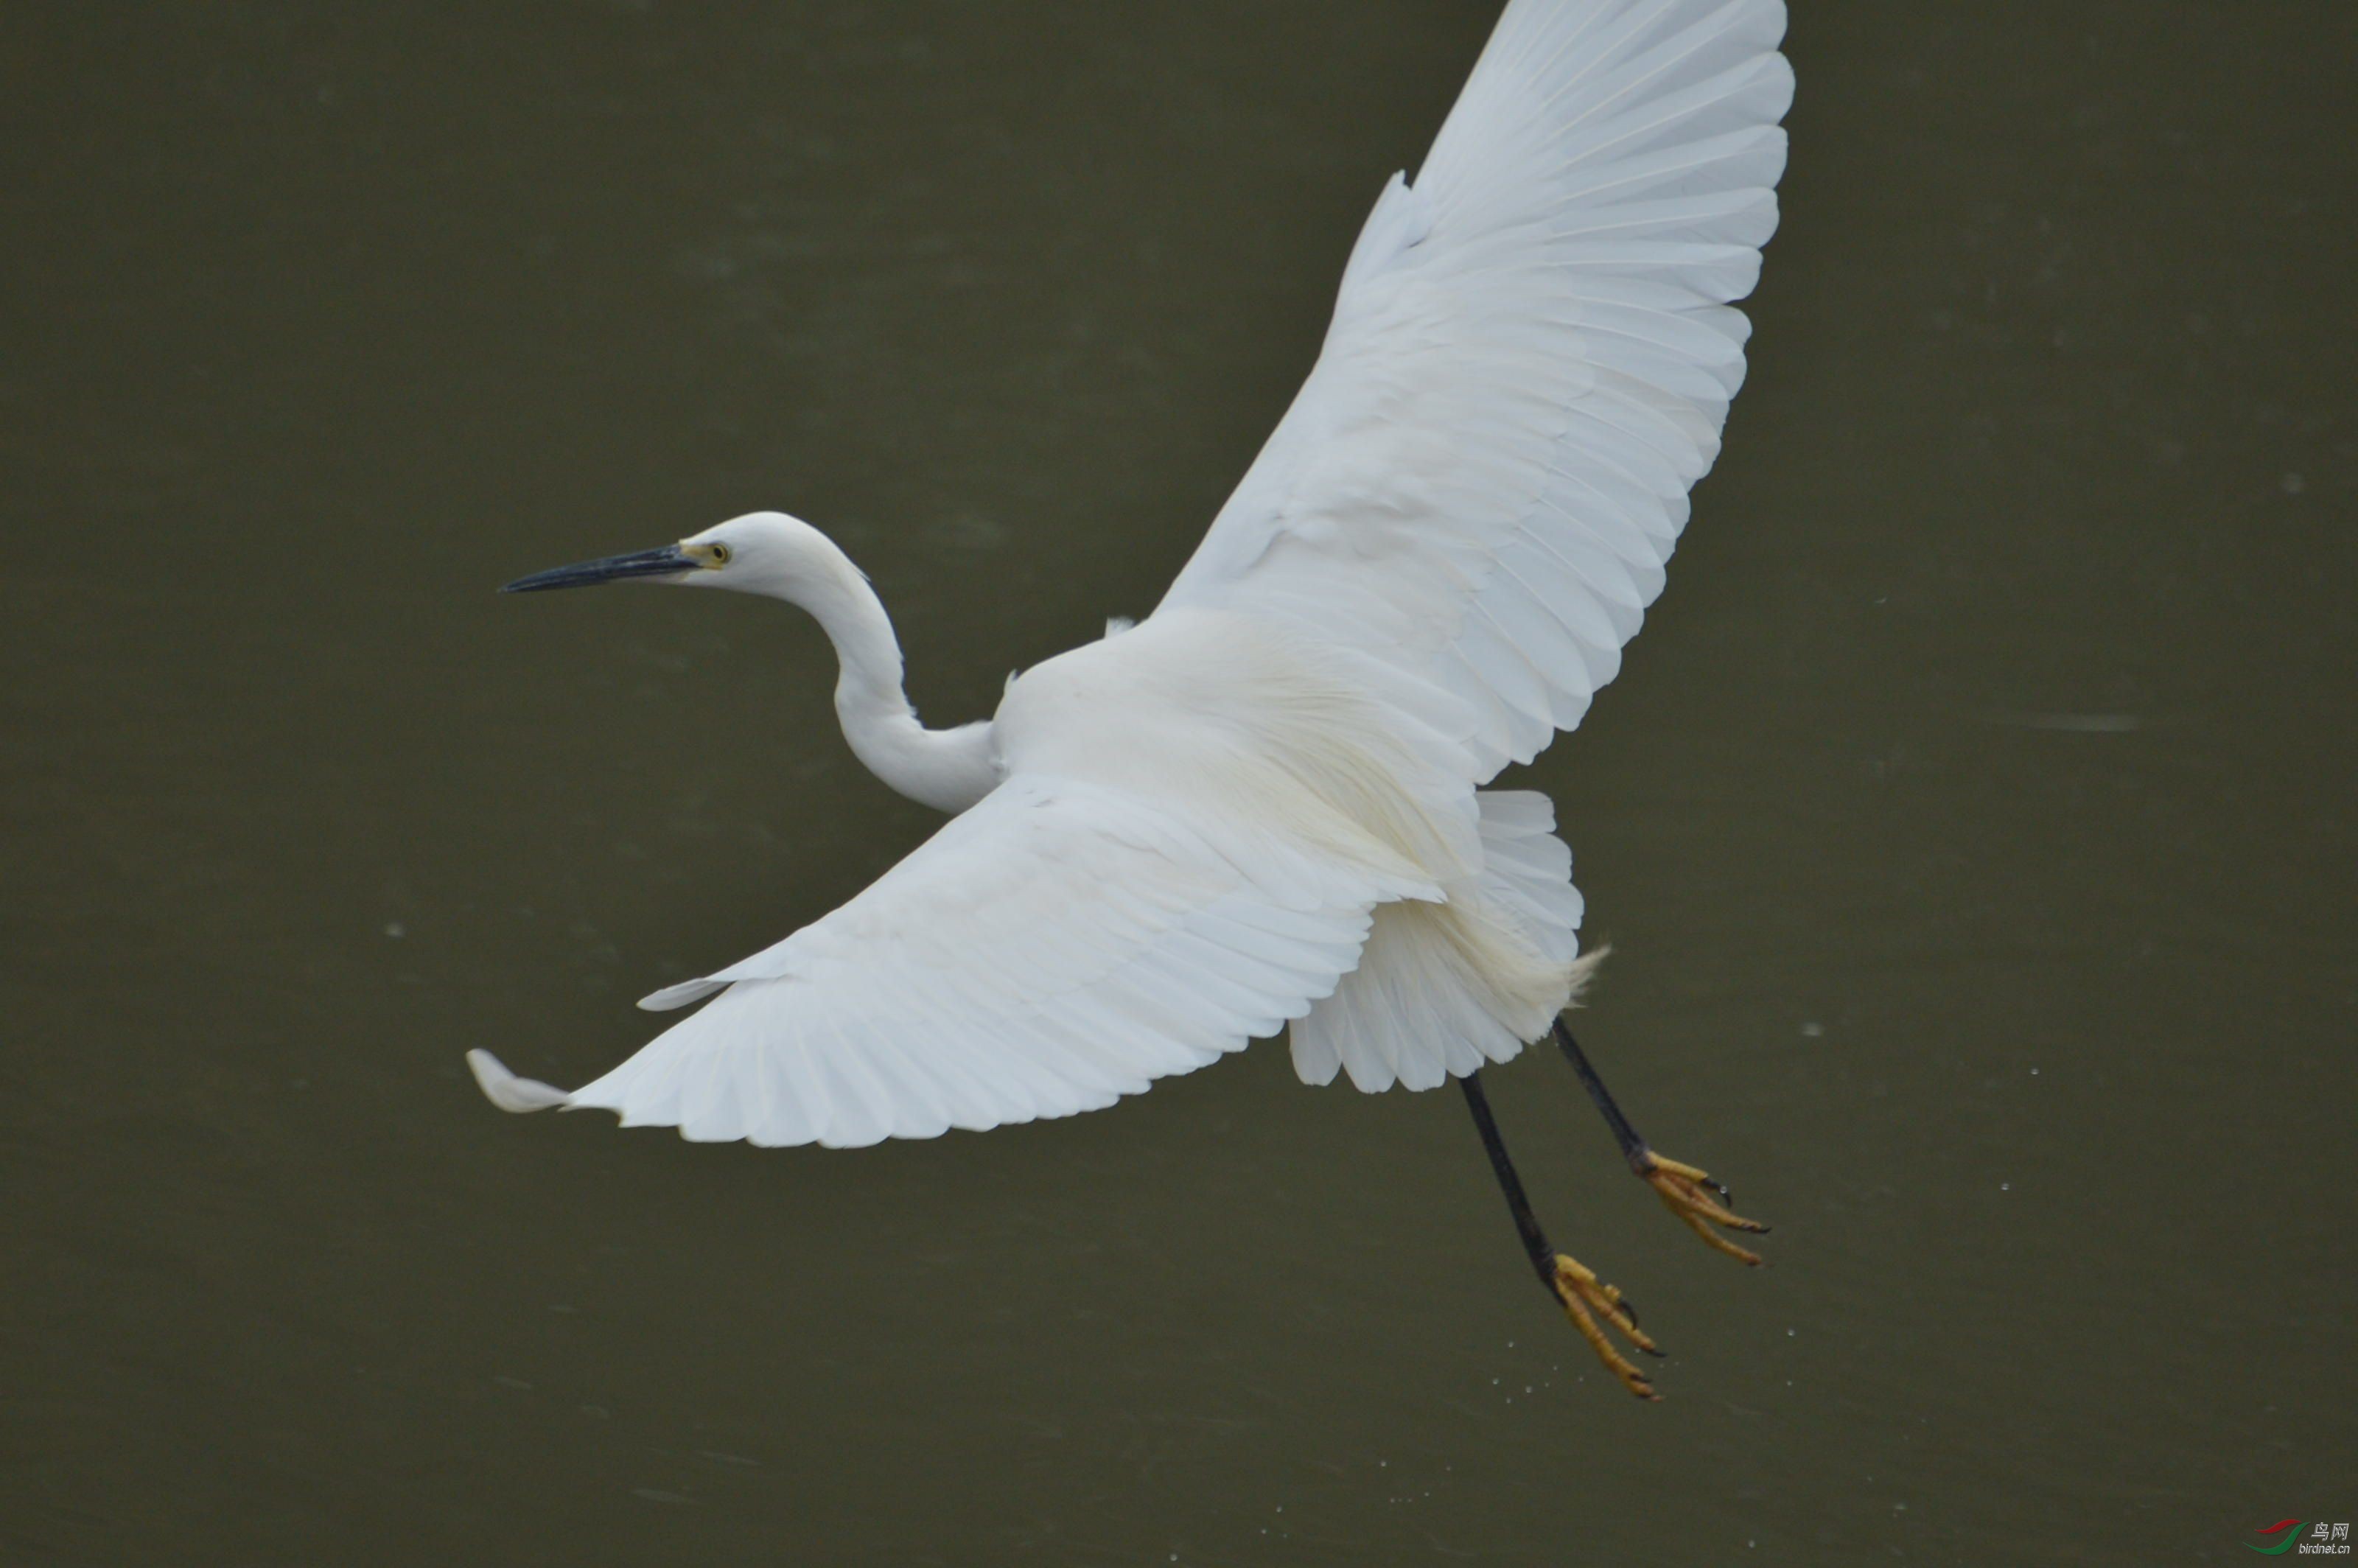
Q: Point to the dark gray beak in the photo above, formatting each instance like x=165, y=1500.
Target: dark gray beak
x=666, y=562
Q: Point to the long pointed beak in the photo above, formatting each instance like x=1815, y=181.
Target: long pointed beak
x=669, y=561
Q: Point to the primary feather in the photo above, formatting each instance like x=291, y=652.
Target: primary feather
x=1530, y=364
x=1260, y=805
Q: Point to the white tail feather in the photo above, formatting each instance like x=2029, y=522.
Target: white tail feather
x=1441, y=988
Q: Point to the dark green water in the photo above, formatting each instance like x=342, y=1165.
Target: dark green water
x=1973, y=823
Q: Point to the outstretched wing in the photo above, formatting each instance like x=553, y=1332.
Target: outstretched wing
x=1060, y=945
x=1529, y=363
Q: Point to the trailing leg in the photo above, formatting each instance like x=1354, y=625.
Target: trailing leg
x=1687, y=1192
x=1585, y=1298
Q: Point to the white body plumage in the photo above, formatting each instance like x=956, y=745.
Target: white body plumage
x=1263, y=804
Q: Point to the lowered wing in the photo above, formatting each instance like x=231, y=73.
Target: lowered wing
x=1060, y=945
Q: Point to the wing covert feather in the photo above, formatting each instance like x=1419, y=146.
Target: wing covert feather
x=1058, y=946
x=1529, y=363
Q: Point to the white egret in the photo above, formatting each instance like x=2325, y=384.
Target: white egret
x=1260, y=808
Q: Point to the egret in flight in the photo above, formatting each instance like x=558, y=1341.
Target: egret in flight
x=1262, y=808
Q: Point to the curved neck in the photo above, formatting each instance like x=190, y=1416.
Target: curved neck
x=949, y=770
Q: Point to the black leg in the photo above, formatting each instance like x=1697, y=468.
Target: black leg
x=1584, y=1297
x=1633, y=1147
x=1526, y=1224
x=1698, y=1201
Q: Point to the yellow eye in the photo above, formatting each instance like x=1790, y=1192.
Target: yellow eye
x=720, y=555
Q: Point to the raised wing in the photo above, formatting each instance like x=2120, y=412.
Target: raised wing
x=1060, y=945
x=1529, y=363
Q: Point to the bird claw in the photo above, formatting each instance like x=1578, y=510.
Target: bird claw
x=1585, y=1299
x=1682, y=1189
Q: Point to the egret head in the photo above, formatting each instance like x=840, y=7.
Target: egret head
x=763, y=552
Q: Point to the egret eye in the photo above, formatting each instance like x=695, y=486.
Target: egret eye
x=720, y=555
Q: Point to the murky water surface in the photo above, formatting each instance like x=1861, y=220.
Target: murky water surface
x=1973, y=824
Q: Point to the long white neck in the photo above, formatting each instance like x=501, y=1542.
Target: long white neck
x=949, y=770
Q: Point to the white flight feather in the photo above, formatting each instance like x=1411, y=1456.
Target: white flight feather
x=1258, y=806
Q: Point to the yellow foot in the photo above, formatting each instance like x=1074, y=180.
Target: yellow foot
x=1682, y=1190
x=1585, y=1299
